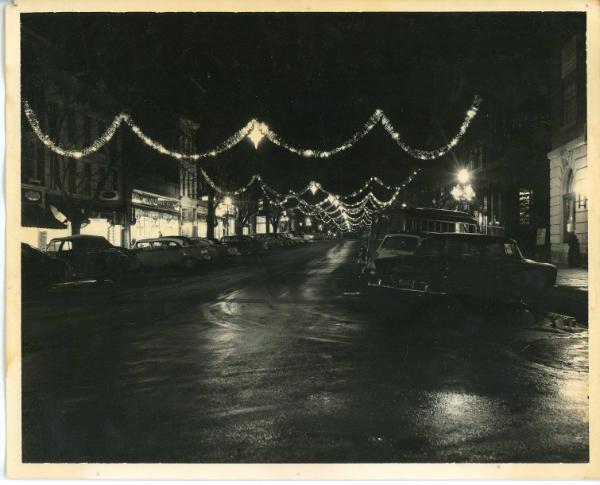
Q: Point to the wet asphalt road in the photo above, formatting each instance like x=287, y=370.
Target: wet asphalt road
x=286, y=358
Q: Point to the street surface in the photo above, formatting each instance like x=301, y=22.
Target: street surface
x=286, y=357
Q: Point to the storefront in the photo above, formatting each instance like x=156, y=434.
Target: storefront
x=189, y=218
x=154, y=215
x=202, y=214
x=38, y=223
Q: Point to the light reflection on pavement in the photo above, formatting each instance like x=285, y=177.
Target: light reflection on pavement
x=281, y=360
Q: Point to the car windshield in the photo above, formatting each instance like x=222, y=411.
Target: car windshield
x=53, y=247
x=400, y=243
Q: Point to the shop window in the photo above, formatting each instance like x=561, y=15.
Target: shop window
x=525, y=197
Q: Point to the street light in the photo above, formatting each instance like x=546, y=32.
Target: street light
x=463, y=192
x=463, y=176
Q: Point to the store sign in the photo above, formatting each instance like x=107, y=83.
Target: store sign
x=155, y=201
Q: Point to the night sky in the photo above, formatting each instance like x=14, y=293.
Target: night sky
x=313, y=78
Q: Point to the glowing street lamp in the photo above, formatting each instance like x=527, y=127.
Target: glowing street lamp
x=463, y=176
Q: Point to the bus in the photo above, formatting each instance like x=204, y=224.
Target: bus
x=417, y=220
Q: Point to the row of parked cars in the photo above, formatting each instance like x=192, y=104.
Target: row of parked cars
x=475, y=265
x=82, y=257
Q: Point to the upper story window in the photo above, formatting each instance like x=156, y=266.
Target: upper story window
x=569, y=80
x=568, y=57
x=570, y=103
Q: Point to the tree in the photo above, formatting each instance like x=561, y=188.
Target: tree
x=274, y=213
x=74, y=185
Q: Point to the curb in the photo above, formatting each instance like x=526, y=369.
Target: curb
x=569, y=301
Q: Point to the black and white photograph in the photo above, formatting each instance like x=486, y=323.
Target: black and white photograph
x=303, y=237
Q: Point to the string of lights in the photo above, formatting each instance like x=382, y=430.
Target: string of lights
x=255, y=131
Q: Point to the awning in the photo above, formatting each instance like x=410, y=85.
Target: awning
x=33, y=215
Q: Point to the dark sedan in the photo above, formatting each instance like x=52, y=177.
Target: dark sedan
x=93, y=257
x=245, y=245
x=478, y=265
x=40, y=271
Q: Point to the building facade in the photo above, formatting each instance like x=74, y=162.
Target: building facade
x=568, y=157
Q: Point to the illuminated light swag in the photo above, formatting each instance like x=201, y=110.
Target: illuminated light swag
x=255, y=131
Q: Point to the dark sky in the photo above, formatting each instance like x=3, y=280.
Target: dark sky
x=314, y=78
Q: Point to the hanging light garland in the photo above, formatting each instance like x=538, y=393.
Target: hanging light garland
x=255, y=131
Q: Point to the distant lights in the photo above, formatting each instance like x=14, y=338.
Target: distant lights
x=256, y=134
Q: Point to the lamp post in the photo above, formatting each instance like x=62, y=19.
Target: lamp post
x=463, y=192
x=227, y=202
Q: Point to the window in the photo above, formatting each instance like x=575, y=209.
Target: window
x=102, y=178
x=72, y=176
x=431, y=247
x=55, y=173
x=501, y=250
x=570, y=103
x=462, y=248
x=87, y=178
x=400, y=243
x=53, y=247
x=66, y=246
x=143, y=245
x=525, y=196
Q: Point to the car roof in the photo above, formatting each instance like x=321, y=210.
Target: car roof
x=468, y=235
x=157, y=239
x=77, y=236
x=404, y=235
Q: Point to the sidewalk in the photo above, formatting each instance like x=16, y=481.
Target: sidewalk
x=573, y=278
x=570, y=295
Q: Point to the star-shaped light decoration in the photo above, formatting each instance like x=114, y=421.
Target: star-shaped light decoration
x=314, y=187
x=256, y=133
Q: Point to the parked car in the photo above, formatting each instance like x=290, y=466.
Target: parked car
x=245, y=245
x=197, y=242
x=288, y=239
x=223, y=252
x=272, y=240
x=392, y=246
x=93, y=257
x=490, y=267
x=39, y=271
x=176, y=251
